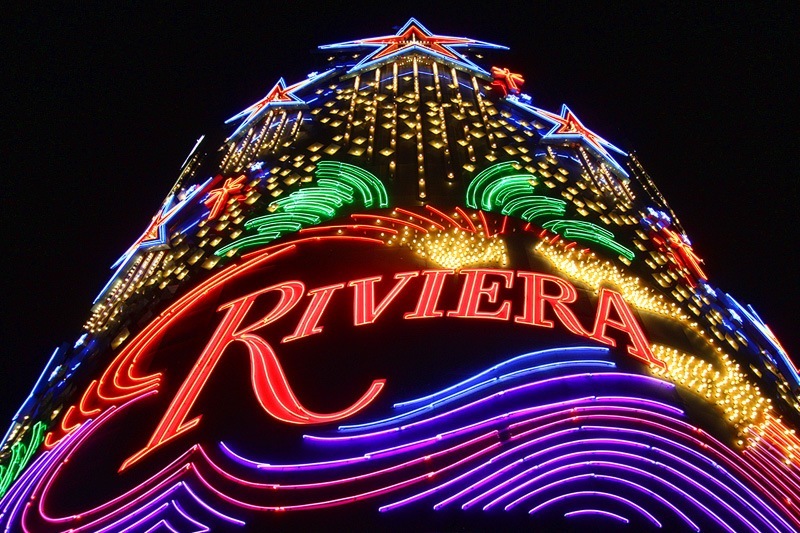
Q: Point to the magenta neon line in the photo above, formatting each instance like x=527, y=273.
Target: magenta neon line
x=771, y=469
x=442, y=486
x=502, y=417
x=719, y=450
x=17, y=496
x=640, y=488
x=596, y=512
x=774, y=457
x=379, y=454
x=579, y=455
x=339, y=501
x=574, y=428
x=486, y=479
x=604, y=375
x=620, y=499
x=33, y=472
x=658, y=497
x=704, y=474
x=141, y=521
x=161, y=523
x=511, y=451
x=529, y=482
x=714, y=465
x=207, y=507
x=350, y=479
x=388, y=451
x=68, y=452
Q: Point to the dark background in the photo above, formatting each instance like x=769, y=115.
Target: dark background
x=101, y=104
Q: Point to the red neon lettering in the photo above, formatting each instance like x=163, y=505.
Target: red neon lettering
x=364, y=309
x=628, y=324
x=269, y=382
x=319, y=302
x=533, y=310
x=429, y=297
x=474, y=290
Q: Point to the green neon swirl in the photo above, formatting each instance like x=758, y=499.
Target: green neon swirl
x=484, y=176
x=338, y=184
x=21, y=455
x=586, y=231
x=532, y=207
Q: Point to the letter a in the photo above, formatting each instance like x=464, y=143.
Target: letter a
x=640, y=347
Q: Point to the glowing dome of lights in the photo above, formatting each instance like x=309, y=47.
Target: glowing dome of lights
x=399, y=291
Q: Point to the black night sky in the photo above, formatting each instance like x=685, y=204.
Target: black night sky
x=101, y=104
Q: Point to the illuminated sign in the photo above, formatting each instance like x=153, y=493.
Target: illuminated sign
x=409, y=296
x=479, y=298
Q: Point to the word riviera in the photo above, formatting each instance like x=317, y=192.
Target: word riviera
x=479, y=299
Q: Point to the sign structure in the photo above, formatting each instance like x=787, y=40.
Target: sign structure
x=400, y=293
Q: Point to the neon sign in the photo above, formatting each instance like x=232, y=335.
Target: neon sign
x=480, y=298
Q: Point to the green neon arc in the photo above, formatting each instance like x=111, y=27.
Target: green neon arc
x=483, y=177
x=366, y=183
x=534, y=207
x=302, y=218
x=21, y=454
x=338, y=184
x=586, y=231
x=498, y=191
x=503, y=188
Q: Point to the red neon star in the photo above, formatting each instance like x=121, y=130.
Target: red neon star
x=218, y=198
x=280, y=93
x=279, y=96
x=506, y=81
x=415, y=36
x=567, y=124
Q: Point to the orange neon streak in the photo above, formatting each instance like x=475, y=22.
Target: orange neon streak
x=419, y=217
x=446, y=217
x=485, y=224
x=85, y=411
x=364, y=309
x=467, y=219
x=392, y=220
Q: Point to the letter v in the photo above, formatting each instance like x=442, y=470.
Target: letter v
x=364, y=309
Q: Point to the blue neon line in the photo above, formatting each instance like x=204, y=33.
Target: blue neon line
x=475, y=388
x=30, y=396
x=531, y=355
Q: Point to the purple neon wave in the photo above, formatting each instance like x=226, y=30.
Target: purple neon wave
x=479, y=386
x=595, y=494
x=129, y=510
x=596, y=512
x=495, y=396
x=627, y=434
x=350, y=461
